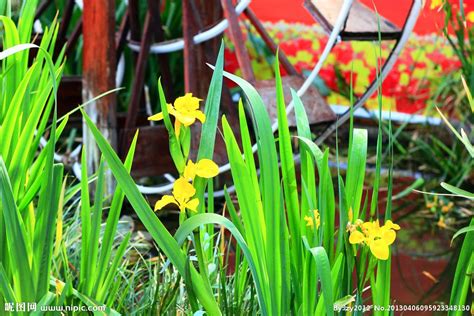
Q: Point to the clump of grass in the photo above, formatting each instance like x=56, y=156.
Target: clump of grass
x=296, y=267
x=288, y=247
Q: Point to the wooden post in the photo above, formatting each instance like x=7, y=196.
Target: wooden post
x=198, y=14
x=190, y=59
x=237, y=38
x=99, y=76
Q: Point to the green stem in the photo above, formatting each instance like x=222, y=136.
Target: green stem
x=201, y=260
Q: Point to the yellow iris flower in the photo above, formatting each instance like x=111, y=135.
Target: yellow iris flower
x=441, y=223
x=377, y=238
x=185, y=110
x=310, y=222
x=435, y=4
x=204, y=168
x=183, y=191
x=470, y=17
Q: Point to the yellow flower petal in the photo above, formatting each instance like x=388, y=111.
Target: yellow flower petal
x=190, y=170
x=388, y=236
x=183, y=190
x=165, y=200
x=185, y=119
x=435, y=4
x=368, y=227
x=206, y=168
x=470, y=16
x=59, y=287
x=177, y=127
x=317, y=217
x=186, y=103
x=309, y=221
x=379, y=249
x=193, y=204
x=200, y=116
x=356, y=237
x=171, y=109
x=441, y=223
x=159, y=116
x=156, y=117
x=392, y=225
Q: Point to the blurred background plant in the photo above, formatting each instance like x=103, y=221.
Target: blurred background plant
x=433, y=154
x=464, y=273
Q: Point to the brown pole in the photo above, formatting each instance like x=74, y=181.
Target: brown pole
x=190, y=50
x=237, y=38
x=99, y=76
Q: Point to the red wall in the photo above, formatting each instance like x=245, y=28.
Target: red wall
x=430, y=21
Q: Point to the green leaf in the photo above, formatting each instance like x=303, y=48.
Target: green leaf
x=5, y=288
x=175, y=148
x=111, y=227
x=213, y=100
x=457, y=191
x=463, y=230
x=153, y=225
x=209, y=128
x=324, y=275
x=189, y=225
x=17, y=243
x=356, y=170
x=462, y=279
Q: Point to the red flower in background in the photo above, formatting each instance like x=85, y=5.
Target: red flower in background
x=447, y=64
x=345, y=54
x=328, y=74
x=289, y=47
x=409, y=82
x=230, y=60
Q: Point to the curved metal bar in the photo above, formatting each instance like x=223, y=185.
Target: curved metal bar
x=386, y=68
x=176, y=45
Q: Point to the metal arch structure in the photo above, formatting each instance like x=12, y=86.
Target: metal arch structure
x=178, y=44
x=407, y=29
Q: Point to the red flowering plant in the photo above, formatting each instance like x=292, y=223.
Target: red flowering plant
x=407, y=88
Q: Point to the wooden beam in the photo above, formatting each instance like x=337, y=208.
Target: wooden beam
x=41, y=8
x=237, y=38
x=74, y=37
x=138, y=84
x=159, y=36
x=99, y=76
x=121, y=36
x=189, y=30
x=66, y=20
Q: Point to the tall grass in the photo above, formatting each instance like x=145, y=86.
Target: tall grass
x=288, y=248
x=296, y=268
x=30, y=183
x=34, y=190
x=465, y=264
